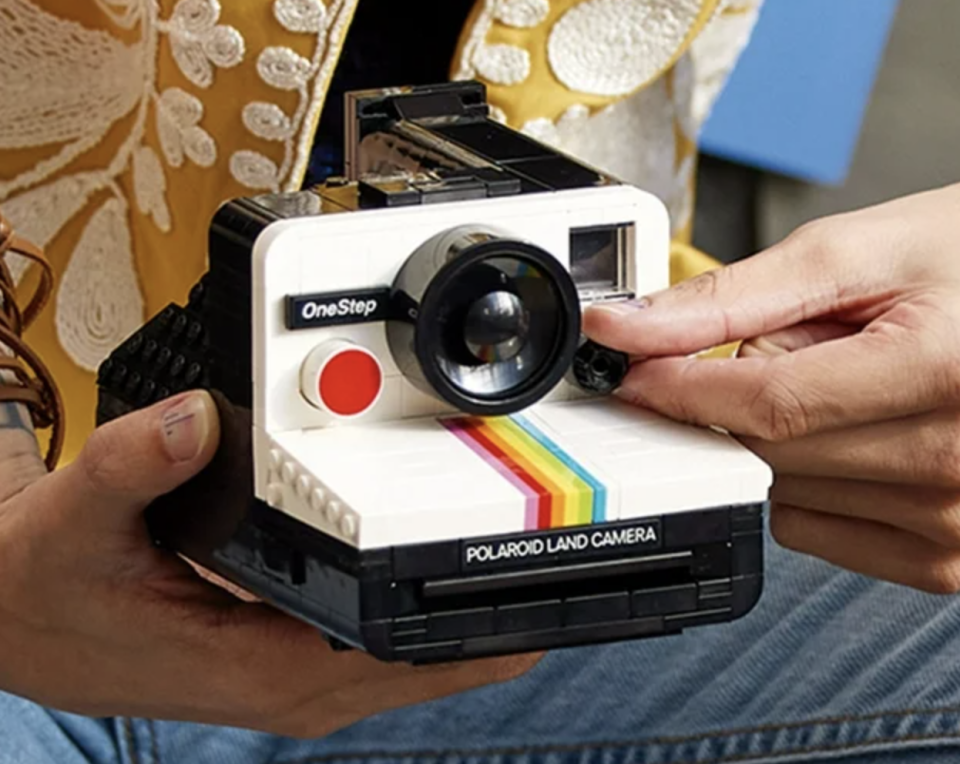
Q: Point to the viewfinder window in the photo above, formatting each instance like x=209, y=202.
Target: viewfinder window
x=598, y=258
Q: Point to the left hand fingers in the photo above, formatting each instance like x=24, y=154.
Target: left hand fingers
x=933, y=513
x=871, y=549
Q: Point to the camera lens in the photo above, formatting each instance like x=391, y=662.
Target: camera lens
x=496, y=322
x=496, y=327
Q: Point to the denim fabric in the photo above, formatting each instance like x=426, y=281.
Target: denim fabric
x=829, y=667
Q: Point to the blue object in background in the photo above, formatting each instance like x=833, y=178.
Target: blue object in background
x=796, y=101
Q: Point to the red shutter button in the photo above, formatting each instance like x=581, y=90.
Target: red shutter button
x=342, y=378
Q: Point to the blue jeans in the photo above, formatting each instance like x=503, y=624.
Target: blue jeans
x=829, y=667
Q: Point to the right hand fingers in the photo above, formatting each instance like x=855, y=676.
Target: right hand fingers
x=812, y=273
x=884, y=372
x=869, y=548
x=851, y=266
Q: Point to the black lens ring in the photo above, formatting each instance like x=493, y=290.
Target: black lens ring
x=554, y=367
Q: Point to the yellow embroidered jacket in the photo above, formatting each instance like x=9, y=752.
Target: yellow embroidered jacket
x=124, y=124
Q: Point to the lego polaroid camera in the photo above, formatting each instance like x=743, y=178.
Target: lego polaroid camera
x=432, y=468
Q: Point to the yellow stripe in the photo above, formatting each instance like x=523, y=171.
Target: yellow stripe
x=507, y=444
x=577, y=505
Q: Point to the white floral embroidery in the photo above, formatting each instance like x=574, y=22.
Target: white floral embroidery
x=552, y=134
x=40, y=214
x=254, y=170
x=521, y=13
x=61, y=84
x=502, y=64
x=612, y=47
x=123, y=13
x=82, y=83
x=267, y=121
x=716, y=51
x=98, y=303
x=150, y=186
x=199, y=44
x=301, y=15
x=497, y=114
x=284, y=69
x=178, y=118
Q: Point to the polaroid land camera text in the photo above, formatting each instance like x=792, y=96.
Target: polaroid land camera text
x=422, y=457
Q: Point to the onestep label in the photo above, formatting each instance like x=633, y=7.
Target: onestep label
x=594, y=542
x=332, y=309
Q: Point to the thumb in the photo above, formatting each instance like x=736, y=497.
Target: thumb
x=131, y=461
x=802, y=278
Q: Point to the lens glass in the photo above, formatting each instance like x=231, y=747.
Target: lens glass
x=496, y=327
x=502, y=322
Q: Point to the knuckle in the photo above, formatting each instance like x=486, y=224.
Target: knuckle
x=705, y=284
x=949, y=363
x=783, y=527
x=946, y=460
x=777, y=412
x=946, y=521
x=941, y=577
x=18, y=471
x=99, y=460
x=824, y=240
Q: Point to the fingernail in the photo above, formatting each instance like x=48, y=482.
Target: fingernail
x=185, y=428
x=623, y=307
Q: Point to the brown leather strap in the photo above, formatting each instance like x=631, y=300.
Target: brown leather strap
x=32, y=384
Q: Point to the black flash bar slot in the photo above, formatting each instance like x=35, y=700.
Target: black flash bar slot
x=454, y=587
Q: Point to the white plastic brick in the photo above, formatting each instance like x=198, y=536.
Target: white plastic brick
x=407, y=484
x=287, y=485
x=413, y=481
x=659, y=465
x=415, y=403
x=367, y=249
x=583, y=456
x=396, y=475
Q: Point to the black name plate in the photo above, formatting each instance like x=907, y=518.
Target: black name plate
x=356, y=306
x=595, y=542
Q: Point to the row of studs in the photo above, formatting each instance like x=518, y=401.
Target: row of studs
x=285, y=471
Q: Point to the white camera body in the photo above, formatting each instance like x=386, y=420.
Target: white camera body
x=363, y=250
x=422, y=455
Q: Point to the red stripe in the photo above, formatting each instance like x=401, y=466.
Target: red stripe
x=473, y=428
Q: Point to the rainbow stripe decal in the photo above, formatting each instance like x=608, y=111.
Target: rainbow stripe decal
x=560, y=492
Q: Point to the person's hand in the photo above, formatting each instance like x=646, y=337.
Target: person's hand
x=95, y=620
x=848, y=383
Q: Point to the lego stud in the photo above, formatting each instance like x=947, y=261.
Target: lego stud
x=348, y=526
x=276, y=458
x=303, y=486
x=317, y=499
x=288, y=472
x=275, y=496
x=341, y=378
x=334, y=511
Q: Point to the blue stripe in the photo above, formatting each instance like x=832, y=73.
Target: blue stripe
x=599, y=489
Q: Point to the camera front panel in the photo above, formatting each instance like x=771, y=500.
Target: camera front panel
x=332, y=365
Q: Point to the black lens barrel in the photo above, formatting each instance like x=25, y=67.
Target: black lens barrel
x=473, y=293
